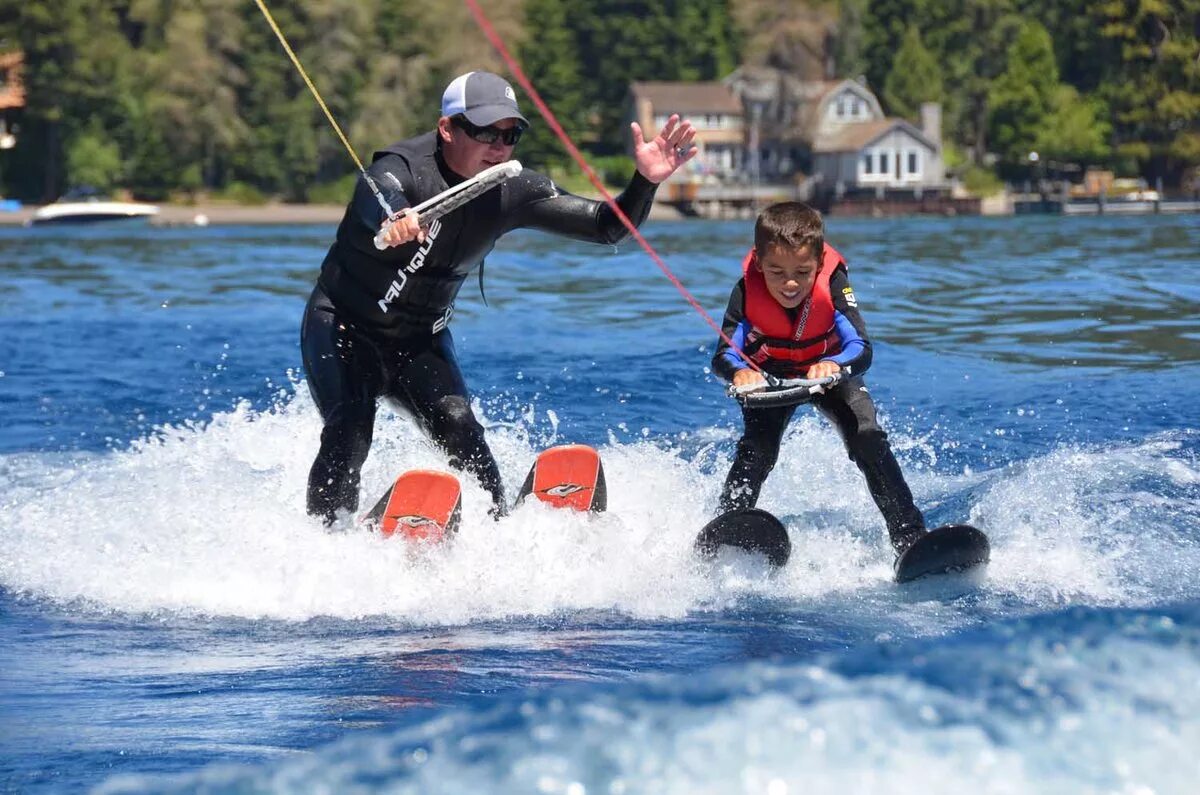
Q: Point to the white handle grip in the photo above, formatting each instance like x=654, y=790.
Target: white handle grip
x=453, y=198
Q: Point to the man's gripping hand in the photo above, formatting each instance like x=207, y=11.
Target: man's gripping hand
x=404, y=228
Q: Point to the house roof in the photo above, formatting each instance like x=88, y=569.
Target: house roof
x=859, y=135
x=711, y=97
x=12, y=94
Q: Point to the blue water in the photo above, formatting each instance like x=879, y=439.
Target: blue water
x=171, y=620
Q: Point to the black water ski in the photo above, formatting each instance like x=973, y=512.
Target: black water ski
x=952, y=547
x=753, y=530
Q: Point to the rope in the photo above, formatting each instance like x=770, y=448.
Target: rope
x=262, y=6
x=490, y=32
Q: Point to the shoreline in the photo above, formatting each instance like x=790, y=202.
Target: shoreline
x=200, y=215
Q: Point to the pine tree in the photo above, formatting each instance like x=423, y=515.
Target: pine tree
x=916, y=77
x=1023, y=96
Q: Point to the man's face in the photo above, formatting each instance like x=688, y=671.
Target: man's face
x=789, y=272
x=468, y=156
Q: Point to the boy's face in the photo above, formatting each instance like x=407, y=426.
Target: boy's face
x=789, y=272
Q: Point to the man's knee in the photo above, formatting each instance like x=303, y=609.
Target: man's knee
x=453, y=418
x=347, y=436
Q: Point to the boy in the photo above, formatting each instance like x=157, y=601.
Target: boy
x=794, y=315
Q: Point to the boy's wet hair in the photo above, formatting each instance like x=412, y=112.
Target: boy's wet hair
x=791, y=224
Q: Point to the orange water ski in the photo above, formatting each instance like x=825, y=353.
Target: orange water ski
x=568, y=476
x=421, y=505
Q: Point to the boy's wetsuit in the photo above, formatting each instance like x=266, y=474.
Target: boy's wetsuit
x=848, y=405
x=376, y=324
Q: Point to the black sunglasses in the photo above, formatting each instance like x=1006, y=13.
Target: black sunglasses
x=489, y=134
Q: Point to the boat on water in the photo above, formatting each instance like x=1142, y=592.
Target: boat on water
x=82, y=208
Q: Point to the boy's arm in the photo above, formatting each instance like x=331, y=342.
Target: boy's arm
x=855, y=356
x=725, y=361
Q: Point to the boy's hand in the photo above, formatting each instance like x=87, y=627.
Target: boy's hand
x=746, y=377
x=823, y=370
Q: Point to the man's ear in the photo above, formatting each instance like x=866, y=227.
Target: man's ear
x=443, y=129
x=754, y=263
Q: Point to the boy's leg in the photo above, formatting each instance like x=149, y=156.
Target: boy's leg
x=757, y=451
x=430, y=384
x=342, y=370
x=853, y=412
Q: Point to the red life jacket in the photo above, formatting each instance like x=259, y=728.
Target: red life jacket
x=784, y=346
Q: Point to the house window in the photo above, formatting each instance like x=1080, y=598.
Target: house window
x=913, y=162
x=868, y=163
x=841, y=107
x=883, y=162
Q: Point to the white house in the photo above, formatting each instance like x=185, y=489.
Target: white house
x=836, y=132
x=855, y=146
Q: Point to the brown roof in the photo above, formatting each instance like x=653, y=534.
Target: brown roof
x=12, y=92
x=855, y=136
x=712, y=97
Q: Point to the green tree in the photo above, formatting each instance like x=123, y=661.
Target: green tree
x=1023, y=96
x=1075, y=129
x=1153, y=83
x=916, y=77
x=850, y=40
x=970, y=39
x=618, y=42
x=549, y=58
x=78, y=68
x=93, y=159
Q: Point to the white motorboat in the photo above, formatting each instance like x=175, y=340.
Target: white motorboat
x=92, y=211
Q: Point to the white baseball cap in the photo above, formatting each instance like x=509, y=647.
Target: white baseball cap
x=484, y=98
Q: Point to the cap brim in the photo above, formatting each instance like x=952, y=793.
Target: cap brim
x=490, y=114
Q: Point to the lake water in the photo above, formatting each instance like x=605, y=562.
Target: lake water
x=171, y=620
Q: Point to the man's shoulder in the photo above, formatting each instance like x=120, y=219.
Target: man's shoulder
x=531, y=186
x=422, y=145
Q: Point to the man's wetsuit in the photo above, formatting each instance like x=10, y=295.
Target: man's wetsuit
x=848, y=405
x=376, y=324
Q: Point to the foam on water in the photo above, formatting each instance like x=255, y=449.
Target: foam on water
x=1065, y=705
x=209, y=519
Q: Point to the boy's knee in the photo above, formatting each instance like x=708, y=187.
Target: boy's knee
x=757, y=453
x=867, y=445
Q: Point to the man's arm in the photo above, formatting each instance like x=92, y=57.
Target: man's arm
x=390, y=174
x=539, y=204
x=855, y=356
x=392, y=177
x=726, y=361
x=551, y=210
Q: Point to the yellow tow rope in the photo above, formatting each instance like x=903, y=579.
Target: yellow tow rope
x=317, y=95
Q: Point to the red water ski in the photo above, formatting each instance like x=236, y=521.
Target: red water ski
x=421, y=505
x=568, y=476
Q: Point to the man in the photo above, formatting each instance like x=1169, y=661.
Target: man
x=377, y=322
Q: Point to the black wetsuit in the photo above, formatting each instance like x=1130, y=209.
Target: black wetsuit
x=375, y=325
x=848, y=405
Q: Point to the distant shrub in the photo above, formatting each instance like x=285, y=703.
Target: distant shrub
x=613, y=169
x=338, y=191
x=240, y=193
x=982, y=182
x=93, y=159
